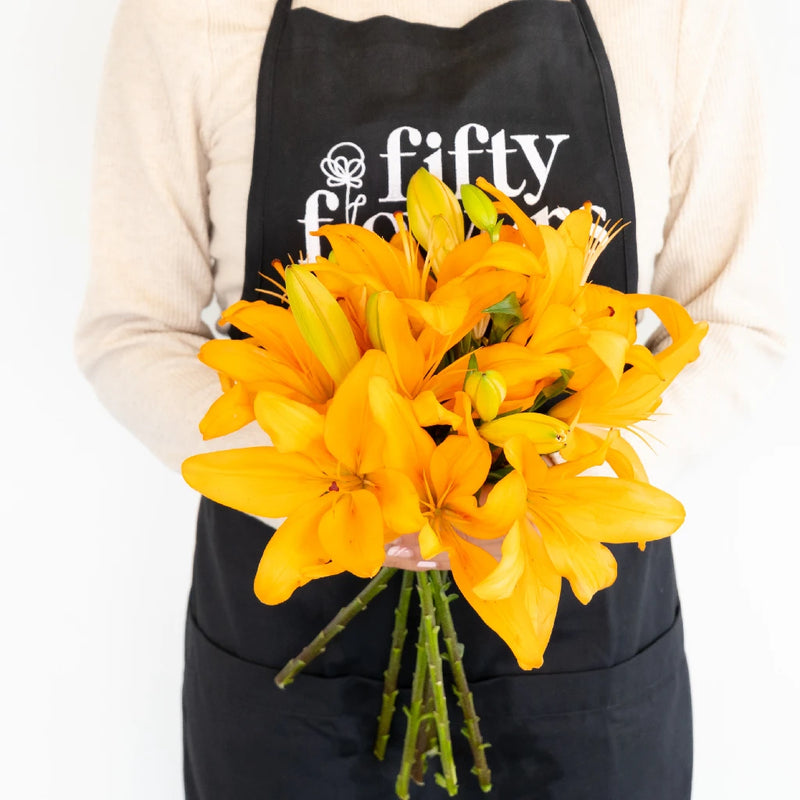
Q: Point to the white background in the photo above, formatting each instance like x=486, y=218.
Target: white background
x=97, y=536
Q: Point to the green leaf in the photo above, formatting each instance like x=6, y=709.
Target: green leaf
x=553, y=390
x=509, y=306
x=505, y=315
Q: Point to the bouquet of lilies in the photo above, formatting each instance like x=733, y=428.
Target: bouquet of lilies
x=454, y=387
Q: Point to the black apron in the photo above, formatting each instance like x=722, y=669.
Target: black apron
x=524, y=96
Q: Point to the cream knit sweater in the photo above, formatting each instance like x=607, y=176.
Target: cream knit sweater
x=173, y=161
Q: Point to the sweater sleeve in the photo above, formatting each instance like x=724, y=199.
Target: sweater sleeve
x=718, y=257
x=151, y=274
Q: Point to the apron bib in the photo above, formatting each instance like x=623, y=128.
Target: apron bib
x=522, y=95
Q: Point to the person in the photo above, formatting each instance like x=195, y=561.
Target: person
x=228, y=132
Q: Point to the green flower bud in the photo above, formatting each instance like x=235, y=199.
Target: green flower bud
x=486, y=390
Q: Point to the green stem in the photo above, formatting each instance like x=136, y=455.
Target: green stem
x=428, y=622
x=414, y=714
x=392, y=671
x=334, y=627
x=426, y=738
x=462, y=691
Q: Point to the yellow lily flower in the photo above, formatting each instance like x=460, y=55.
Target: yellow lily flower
x=573, y=514
x=606, y=403
x=566, y=255
x=327, y=475
x=274, y=329
x=597, y=333
x=447, y=477
x=362, y=258
x=585, y=439
x=365, y=261
x=414, y=361
x=562, y=253
x=471, y=294
x=275, y=358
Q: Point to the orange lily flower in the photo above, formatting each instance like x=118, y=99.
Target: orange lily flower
x=448, y=477
x=326, y=474
x=573, y=514
x=276, y=358
x=606, y=404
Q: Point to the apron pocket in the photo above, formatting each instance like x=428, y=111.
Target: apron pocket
x=622, y=733
x=245, y=739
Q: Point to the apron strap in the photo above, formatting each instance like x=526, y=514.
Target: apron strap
x=618, y=150
x=254, y=254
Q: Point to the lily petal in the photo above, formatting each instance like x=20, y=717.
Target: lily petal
x=611, y=348
x=443, y=314
x=228, y=413
x=530, y=232
x=398, y=500
x=617, y=510
x=390, y=333
x=459, y=465
x=510, y=618
x=509, y=257
x=525, y=458
x=271, y=326
x=351, y=532
x=504, y=505
x=540, y=584
x=351, y=433
x=625, y=461
x=536, y=583
x=501, y=582
x=241, y=359
x=586, y=564
x=408, y=446
x=430, y=544
x=429, y=411
x=256, y=480
x=294, y=556
x=576, y=228
x=292, y=426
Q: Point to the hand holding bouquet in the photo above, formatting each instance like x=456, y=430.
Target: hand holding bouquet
x=405, y=380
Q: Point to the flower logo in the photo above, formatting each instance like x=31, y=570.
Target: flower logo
x=345, y=166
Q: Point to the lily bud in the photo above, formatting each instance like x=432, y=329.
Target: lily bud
x=322, y=323
x=481, y=211
x=428, y=198
x=546, y=433
x=486, y=391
